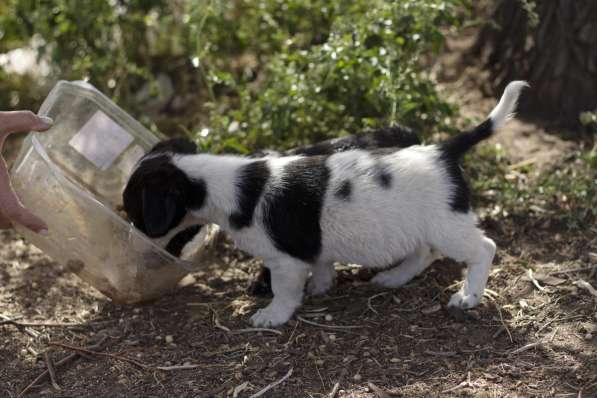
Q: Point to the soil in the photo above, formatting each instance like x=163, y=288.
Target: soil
x=530, y=337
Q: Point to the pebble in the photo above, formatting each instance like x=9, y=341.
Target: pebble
x=329, y=318
x=332, y=337
x=169, y=339
x=357, y=377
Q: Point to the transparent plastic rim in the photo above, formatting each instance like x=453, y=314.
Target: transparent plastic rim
x=58, y=174
x=85, y=89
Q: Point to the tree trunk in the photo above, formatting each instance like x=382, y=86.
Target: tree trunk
x=557, y=56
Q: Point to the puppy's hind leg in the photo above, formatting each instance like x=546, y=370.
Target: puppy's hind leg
x=477, y=251
x=322, y=278
x=288, y=282
x=411, y=266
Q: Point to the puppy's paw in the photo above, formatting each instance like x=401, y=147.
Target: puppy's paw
x=391, y=279
x=270, y=317
x=464, y=301
x=319, y=286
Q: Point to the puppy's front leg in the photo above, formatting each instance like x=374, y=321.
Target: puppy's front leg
x=288, y=281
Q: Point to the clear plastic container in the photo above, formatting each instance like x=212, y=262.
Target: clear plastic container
x=73, y=176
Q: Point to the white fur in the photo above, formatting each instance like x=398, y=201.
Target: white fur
x=504, y=110
x=376, y=227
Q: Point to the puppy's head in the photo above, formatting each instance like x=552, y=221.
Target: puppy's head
x=159, y=195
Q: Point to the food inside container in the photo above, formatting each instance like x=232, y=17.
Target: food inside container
x=73, y=176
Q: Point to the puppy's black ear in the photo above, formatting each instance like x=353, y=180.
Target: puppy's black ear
x=181, y=146
x=160, y=211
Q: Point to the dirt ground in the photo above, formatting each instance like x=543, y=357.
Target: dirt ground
x=530, y=337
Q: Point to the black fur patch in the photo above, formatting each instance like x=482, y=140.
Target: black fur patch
x=196, y=195
x=250, y=183
x=344, y=190
x=395, y=136
x=158, y=194
x=460, y=200
x=178, y=242
x=451, y=152
x=262, y=285
x=175, y=145
x=292, y=213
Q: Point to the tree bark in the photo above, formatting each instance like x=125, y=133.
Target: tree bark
x=557, y=56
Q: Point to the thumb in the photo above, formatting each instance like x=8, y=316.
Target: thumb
x=17, y=121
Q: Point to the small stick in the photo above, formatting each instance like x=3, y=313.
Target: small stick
x=587, y=286
x=378, y=391
x=440, y=353
x=465, y=383
x=20, y=326
x=61, y=362
x=177, y=367
x=535, y=281
x=338, y=327
x=568, y=271
x=7, y=319
x=526, y=347
x=503, y=323
x=51, y=371
x=252, y=330
x=272, y=385
x=371, y=299
x=334, y=391
x=99, y=354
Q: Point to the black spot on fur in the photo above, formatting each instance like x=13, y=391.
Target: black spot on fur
x=381, y=172
x=292, y=213
x=344, y=190
x=384, y=178
x=250, y=182
x=178, y=242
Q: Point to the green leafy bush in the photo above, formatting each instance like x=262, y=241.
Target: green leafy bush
x=247, y=73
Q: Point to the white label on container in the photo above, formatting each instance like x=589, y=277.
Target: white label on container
x=130, y=159
x=101, y=140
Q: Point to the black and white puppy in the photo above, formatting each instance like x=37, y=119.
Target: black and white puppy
x=301, y=214
x=185, y=238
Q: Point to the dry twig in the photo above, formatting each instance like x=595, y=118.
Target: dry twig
x=440, y=353
x=334, y=391
x=272, y=385
x=336, y=327
x=569, y=271
x=256, y=330
x=370, y=299
x=465, y=383
x=51, y=371
x=587, y=286
x=378, y=391
x=504, y=323
x=177, y=367
x=82, y=350
x=69, y=358
x=534, y=281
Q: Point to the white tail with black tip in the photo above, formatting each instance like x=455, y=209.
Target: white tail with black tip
x=504, y=111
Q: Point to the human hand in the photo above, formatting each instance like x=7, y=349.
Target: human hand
x=12, y=210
